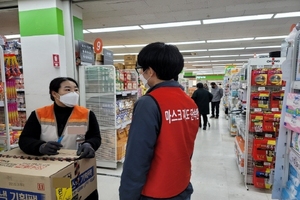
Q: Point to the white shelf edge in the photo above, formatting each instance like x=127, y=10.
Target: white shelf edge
x=16, y=128
x=20, y=90
x=22, y=109
x=127, y=92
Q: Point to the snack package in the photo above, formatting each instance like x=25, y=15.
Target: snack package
x=274, y=76
x=259, y=77
x=260, y=99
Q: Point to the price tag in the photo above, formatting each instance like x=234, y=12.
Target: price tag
x=268, y=135
x=124, y=94
x=133, y=93
x=261, y=88
x=275, y=109
x=257, y=109
x=271, y=142
x=283, y=88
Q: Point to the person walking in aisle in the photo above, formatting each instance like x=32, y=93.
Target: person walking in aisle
x=39, y=137
x=215, y=102
x=205, y=86
x=162, y=133
x=202, y=98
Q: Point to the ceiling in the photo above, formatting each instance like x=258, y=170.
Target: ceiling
x=114, y=13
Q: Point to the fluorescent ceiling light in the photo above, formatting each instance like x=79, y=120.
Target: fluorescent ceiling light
x=196, y=50
x=230, y=40
x=238, y=19
x=227, y=49
x=241, y=60
x=12, y=36
x=122, y=54
x=135, y=45
x=190, y=69
x=271, y=37
x=288, y=14
x=199, y=61
x=114, y=29
x=191, y=42
x=114, y=47
x=246, y=55
x=119, y=60
x=263, y=47
x=222, y=60
x=172, y=24
x=196, y=57
x=224, y=56
x=85, y=31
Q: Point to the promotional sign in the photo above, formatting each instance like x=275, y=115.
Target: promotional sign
x=108, y=57
x=86, y=52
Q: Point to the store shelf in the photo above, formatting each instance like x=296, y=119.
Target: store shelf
x=296, y=85
x=241, y=169
x=123, y=125
x=241, y=149
x=128, y=92
x=13, y=146
x=20, y=90
x=89, y=95
x=22, y=109
x=16, y=128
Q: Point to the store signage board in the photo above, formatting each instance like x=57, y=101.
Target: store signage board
x=86, y=51
x=55, y=59
x=108, y=57
x=98, y=45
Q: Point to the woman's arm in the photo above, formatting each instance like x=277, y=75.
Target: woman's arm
x=93, y=136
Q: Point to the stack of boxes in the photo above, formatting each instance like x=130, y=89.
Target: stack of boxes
x=130, y=61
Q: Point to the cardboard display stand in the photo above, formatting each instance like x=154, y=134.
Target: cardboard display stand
x=60, y=177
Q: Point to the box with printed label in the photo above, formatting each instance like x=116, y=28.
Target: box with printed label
x=60, y=177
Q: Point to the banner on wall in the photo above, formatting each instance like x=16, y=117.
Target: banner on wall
x=230, y=69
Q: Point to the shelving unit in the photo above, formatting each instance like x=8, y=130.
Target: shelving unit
x=287, y=169
x=5, y=129
x=112, y=108
x=263, y=77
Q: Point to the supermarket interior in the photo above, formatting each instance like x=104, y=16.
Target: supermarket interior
x=249, y=48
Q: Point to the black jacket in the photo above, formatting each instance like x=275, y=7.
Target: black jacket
x=202, y=98
x=30, y=141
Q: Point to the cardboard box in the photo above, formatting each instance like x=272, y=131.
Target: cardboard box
x=130, y=58
x=61, y=177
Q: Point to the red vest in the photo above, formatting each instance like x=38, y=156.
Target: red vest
x=170, y=170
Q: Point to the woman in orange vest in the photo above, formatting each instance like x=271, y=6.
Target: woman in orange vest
x=50, y=128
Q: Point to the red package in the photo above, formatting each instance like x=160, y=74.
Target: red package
x=276, y=100
x=259, y=99
x=274, y=76
x=259, y=77
x=256, y=122
x=271, y=122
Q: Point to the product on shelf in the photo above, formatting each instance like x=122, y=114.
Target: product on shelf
x=259, y=77
x=292, y=116
x=260, y=99
x=276, y=100
x=274, y=76
x=262, y=174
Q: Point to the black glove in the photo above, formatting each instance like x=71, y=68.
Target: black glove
x=85, y=150
x=50, y=148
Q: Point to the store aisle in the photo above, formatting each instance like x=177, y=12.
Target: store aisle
x=214, y=173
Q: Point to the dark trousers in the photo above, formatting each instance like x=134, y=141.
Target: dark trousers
x=93, y=196
x=215, y=106
x=204, y=117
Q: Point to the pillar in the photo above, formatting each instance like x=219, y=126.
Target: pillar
x=47, y=28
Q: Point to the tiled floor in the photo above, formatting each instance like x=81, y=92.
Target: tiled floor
x=215, y=175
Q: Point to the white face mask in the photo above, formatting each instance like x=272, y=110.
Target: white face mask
x=145, y=81
x=70, y=99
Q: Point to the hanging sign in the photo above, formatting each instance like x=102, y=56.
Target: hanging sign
x=98, y=45
x=55, y=59
x=86, y=52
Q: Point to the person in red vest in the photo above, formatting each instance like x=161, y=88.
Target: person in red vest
x=162, y=133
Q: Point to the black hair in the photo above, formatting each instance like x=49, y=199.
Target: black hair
x=199, y=85
x=164, y=59
x=212, y=83
x=176, y=78
x=55, y=84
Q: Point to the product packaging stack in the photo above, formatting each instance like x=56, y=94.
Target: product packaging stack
x=62, y=177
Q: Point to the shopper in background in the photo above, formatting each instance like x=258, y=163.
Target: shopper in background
x=163, y=130
x=202, y=98
x=215, y=102
x=205, y=86
x=39, y=137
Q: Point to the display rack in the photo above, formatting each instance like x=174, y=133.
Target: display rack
x=4, y=120
x=112, y=106
x=262, y=87
x=287, y=168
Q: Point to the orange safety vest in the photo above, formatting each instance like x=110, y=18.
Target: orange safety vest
x=170, y=169
x=75, y=128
